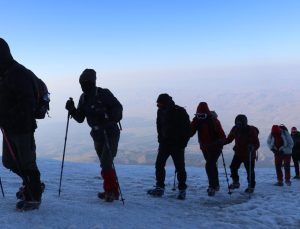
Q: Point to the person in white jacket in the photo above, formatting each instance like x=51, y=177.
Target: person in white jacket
x=281, y=144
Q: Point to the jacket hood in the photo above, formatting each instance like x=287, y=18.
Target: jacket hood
x=165, y=99
x=275, y=129
x=241, y=120
x=88, y=75
x=203, y=108
x=5, y=55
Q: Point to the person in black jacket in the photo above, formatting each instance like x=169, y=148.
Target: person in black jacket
x=295, y=134
x=103, y=112
x=17, y=108
x=173, y=129
x=246, y=144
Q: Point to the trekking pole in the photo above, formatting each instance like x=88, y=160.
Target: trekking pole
x=229, y=192
x=120, y=126
x=63, y=159
x=1, y=187
x=174, y=183
x=113, y=165
x=250, y=172
x=13, y=155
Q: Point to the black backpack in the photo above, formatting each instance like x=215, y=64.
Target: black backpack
x=42, y=97
x=184, y=123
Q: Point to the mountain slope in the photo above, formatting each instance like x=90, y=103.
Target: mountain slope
x=78, y=206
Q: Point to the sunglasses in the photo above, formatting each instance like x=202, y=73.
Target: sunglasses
x=201, y=115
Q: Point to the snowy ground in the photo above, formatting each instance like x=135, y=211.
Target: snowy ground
x=78, y=207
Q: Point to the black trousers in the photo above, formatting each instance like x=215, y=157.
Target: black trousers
x=178, y=158
x=24, y=165
x=212, y=168
x=235, y=165
x=105, y=155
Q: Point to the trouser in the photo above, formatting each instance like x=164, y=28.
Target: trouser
x=296, y=160
x=177, y=155
x=285, y=160
x=235, y=165
x=23, y=147
x=212, y=168
x=106, y=153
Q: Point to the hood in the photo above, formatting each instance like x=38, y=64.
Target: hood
x=241, y=121
x=165, y=99
x=88, y=75
x=276, y=129
x=203, y=108
x=5, y=55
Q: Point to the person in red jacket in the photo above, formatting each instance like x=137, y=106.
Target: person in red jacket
x=246, y=144
x=211, y=138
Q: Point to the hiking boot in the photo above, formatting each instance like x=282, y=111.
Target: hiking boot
x=249, y=190
x=181, y=195
x=217, y=188
x=279, y=183
x=157, y=191
x=296, y=177
x=25, y=205
x=102, y=195
x=234, y=185
x=21, y=194
x=110, y=197
x=288, y=183
x=211, y=191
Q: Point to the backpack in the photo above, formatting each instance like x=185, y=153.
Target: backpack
x=213, y=132
x=255, y=136
x=184, y=122
x=283, y=127
x=42, y=98
x=105, y=97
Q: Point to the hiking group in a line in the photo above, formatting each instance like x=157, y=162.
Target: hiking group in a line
x=25, y=98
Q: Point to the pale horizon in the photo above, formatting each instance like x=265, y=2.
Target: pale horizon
x=238, y=56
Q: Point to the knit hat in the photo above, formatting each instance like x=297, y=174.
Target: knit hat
x=203, y=108
x=164, y=99
x=294, y=129
x=276, y=129
x=88, y=75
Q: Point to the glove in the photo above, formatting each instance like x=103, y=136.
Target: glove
x=70, y=105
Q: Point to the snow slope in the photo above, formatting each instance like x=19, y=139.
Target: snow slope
x=78, y=207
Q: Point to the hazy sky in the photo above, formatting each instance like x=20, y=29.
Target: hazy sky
x=61, y=37
x=239, y=56
x=137, y=45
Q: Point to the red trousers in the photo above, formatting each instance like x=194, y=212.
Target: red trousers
x=284, y=160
